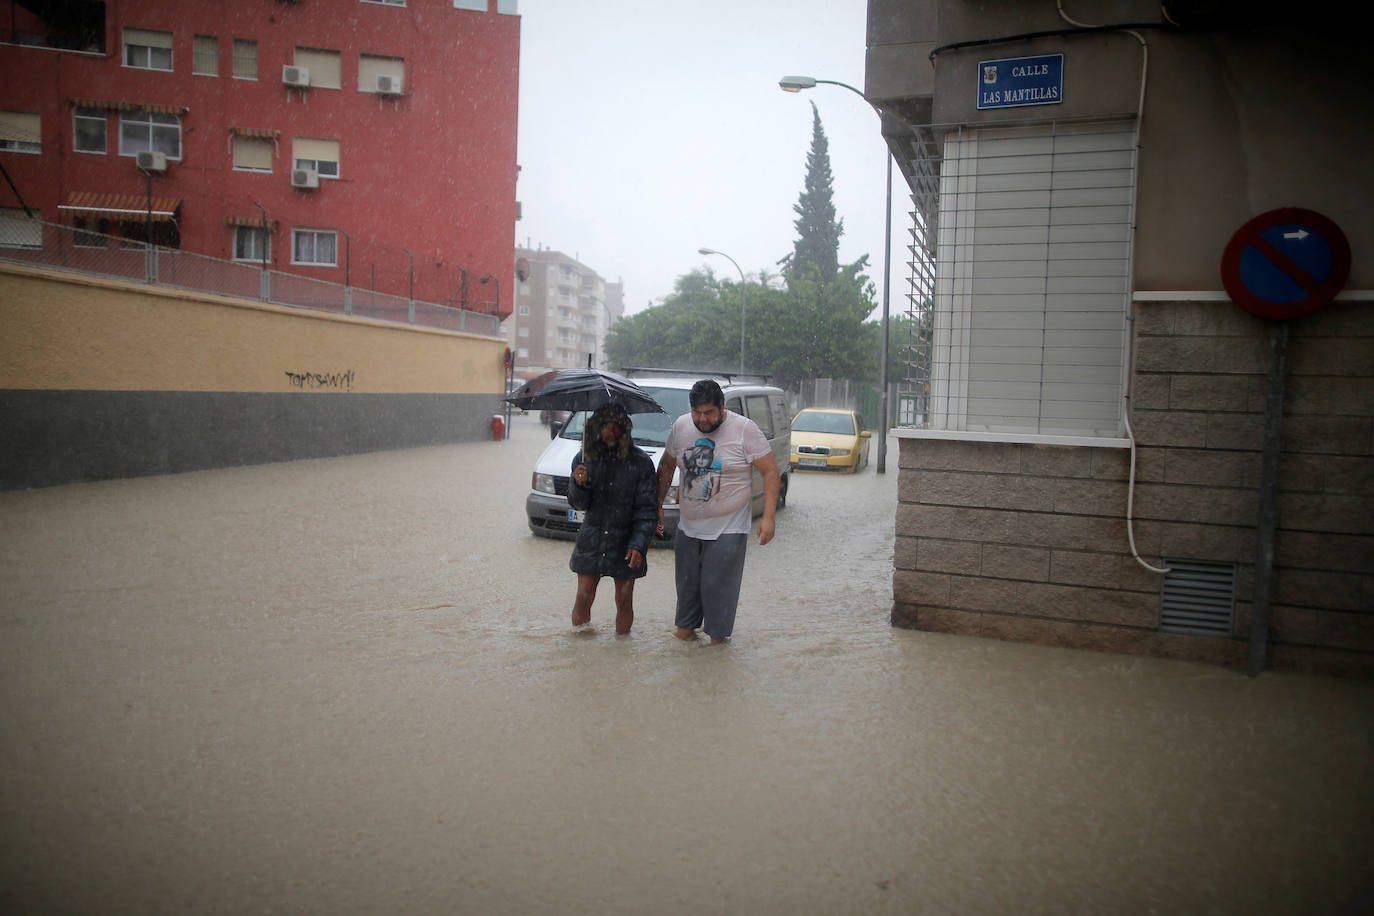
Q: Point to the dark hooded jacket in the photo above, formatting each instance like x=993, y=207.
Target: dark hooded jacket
x=621, y=502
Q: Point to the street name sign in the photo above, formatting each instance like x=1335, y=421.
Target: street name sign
x=1016, y=81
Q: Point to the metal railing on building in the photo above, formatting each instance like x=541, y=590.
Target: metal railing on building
x=66, y=248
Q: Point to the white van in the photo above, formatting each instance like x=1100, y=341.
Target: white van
x=546, y=507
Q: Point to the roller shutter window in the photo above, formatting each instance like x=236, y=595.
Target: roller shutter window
x=245, y=59
x=320, y=155
x=18, y=230
x=252, y=154
x=324, y=67
x=147, y=50
x=371, y=66
x=1032, y=280
x=21, y=132
x=205, y=55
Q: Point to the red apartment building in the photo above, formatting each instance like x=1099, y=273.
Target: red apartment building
x=371, y=142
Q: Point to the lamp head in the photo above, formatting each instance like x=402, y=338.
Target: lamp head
x=705, y=251
x=796, y=83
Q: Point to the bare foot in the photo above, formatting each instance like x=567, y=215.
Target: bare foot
x=718, y=640
x=685, y=634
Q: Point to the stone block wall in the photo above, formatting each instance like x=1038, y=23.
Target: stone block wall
x=1029, y=542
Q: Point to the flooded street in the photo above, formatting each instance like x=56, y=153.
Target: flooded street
x=350, y=686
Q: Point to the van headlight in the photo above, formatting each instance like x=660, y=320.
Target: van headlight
x=543, y=483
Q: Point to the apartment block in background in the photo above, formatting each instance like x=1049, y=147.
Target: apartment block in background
x=563, y=309
x=367, y=142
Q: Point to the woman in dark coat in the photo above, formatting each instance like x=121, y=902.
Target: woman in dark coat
x=615, y=483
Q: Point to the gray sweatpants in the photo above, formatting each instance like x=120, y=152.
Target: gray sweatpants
x=708, y=579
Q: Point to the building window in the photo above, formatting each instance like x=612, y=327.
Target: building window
x=320, y=155
x=205, y=56
x=479, y=6
x=245, y=59
x=524, y=311
x=19, y=230
x=147, y=50
x=314, y=246
x=252, y=243
x=21, y=132
x=522, y=331
x=507, y=8
x=1032, y=280
x=89, y=233
x=252, y=154
x=88, y=130
x=387, y=2
x=141, y=130
x=372, y=66
x=325, y=67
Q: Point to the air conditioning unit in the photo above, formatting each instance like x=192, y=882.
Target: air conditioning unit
x=295, y=76
x=151, y=160
x=305, y=178
x=389, y=85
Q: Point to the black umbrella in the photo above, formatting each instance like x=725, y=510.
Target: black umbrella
x=583, y=389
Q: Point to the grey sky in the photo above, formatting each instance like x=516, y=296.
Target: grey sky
x=649, y=130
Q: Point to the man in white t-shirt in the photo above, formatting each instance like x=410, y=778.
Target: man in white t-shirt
x=718, y=452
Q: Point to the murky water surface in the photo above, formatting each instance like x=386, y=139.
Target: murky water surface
x=350, y=686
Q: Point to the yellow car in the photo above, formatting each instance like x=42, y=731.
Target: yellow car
x=829, y=439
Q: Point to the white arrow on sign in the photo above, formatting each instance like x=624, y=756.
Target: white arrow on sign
x=1299, y=235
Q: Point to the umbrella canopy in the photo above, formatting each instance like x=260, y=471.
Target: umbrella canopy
x=582, y=389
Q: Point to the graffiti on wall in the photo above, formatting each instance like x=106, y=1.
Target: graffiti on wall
x=317, y=381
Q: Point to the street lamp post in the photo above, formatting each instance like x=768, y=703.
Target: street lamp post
x=741, y=300
x=797, y=84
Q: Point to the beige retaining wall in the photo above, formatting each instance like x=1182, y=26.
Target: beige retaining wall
x=106, y=378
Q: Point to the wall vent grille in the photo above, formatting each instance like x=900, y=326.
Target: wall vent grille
x=1198, y=597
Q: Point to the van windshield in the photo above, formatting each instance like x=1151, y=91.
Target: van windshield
x=650, y=429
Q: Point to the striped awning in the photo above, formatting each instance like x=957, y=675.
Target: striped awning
x=109, y=105
x=264, y=133
x=253, y=221
x=131, y=207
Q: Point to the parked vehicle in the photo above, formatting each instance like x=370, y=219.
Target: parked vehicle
x=546, y=508
x=829, y=439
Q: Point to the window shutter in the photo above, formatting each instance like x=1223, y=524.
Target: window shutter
x=318, y=150
x=1032, y=280
x=252, y=153
x=21, y=127
x=148, y=39
x=324, y=66
x=371, y=66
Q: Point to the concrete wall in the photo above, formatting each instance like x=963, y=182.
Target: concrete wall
x=103, y=378
x=1029, y=542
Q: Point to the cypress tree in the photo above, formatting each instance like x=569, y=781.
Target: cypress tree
x=818, y=231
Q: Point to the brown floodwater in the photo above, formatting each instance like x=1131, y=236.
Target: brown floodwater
x=350, y=686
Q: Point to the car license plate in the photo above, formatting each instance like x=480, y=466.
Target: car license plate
x=576, y=515
x=812, y=462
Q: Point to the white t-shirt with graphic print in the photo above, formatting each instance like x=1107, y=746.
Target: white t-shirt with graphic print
x=717, y=474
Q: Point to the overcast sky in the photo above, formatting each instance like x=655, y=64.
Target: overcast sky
x=649, y=130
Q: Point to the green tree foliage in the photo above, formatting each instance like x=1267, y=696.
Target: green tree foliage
x=818, y=231
x=812, y=327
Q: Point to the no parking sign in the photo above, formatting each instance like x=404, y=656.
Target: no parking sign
x=1285, y=263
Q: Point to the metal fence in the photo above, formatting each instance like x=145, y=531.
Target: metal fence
x=95, y=254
